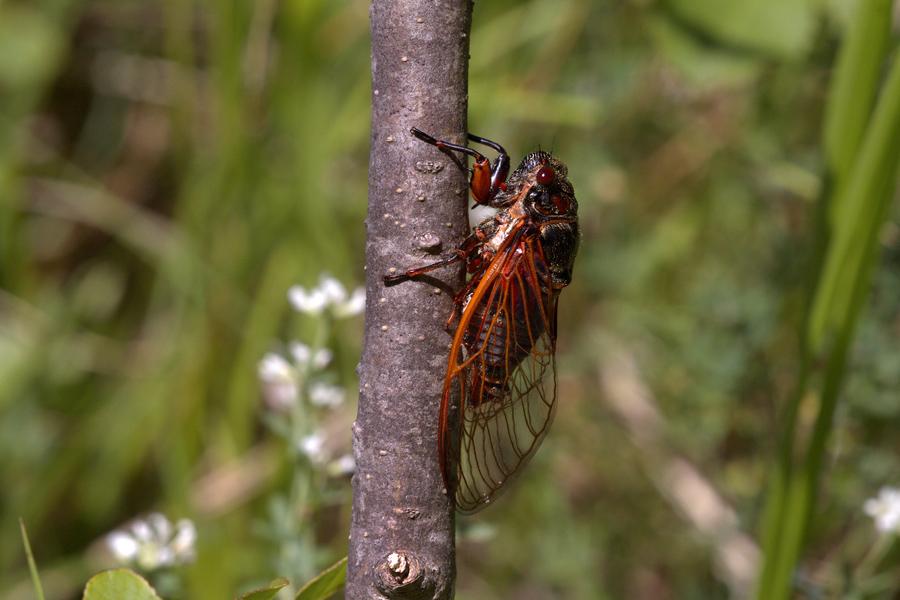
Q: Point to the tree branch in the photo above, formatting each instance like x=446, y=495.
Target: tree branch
x=402, y=529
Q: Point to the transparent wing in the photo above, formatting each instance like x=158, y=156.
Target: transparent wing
x=500, y=390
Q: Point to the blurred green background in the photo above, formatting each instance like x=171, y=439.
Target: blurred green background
x=169, y=168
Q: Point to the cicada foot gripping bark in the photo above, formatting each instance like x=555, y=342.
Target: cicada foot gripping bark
x=499, y=393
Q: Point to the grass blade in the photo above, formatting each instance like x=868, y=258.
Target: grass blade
x=855, y=85
x=864, y=204
x=32, y=566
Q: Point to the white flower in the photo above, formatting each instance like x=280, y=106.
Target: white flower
x=313, y=446
x=160, y=526
x=142, y=531
x=322, y=358
x=331, y=293
x=279, y=379
x=885, y=510
x=154, y=543
x=313, y=302
x=333, y=289
x=164, y=557
x=354, y=306
x=345, y=465
x=273, y=367
x=185, y=538
x=324, y=395
x=303, y=355
x=123, y=546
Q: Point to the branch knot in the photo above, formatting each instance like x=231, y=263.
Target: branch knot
x=400, y=576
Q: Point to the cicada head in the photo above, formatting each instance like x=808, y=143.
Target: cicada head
x=542, y=186
x=547, y=197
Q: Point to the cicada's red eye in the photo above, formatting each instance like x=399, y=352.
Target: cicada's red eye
x=546, y=176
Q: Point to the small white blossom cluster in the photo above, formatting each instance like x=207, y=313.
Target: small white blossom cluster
x=325, y=395
x=154, y=543
x=289, y=382
x=313, y=447
x=330, y=295
x=885, y=510
x=282, y=379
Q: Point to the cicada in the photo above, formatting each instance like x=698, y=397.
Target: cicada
x=499, y=393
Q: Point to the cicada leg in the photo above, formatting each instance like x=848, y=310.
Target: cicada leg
x=471, y=251
x=487, y=179
x=422, y=270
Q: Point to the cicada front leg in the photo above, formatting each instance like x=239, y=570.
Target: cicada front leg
x=487, y=179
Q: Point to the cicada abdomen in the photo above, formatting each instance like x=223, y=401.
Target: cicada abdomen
x=500, y=334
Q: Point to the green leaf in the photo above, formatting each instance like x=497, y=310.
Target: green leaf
x=118, y=584
x=268, y=592
x=326, y=583
x=855, y=85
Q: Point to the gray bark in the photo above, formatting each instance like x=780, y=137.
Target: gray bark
x=402, y=528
